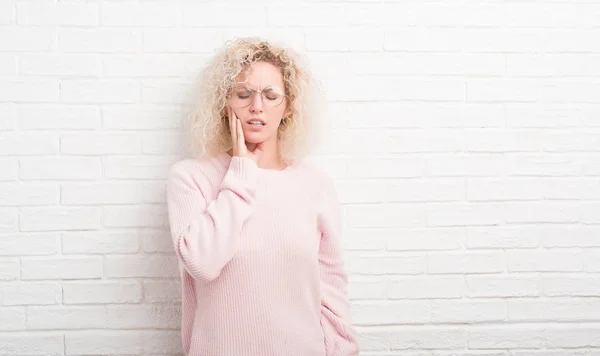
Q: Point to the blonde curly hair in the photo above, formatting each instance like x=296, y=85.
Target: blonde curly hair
x=208, y=125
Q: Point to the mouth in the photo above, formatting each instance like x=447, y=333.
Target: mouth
x=256, y=122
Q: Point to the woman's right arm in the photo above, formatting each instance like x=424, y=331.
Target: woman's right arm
x=206, y=232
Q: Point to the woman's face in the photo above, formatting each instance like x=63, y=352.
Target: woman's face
x=259, y=95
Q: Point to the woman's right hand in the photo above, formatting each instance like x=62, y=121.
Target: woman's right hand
x=237, y=138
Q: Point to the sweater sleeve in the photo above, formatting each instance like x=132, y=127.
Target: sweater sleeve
x=340, y=336
x=205, y=232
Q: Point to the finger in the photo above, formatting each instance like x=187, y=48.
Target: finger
x=240, y=133
x=232, y=126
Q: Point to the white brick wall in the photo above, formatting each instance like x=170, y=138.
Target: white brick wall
x=466, y=152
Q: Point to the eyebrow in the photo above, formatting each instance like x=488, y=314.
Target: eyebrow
x=276, y=88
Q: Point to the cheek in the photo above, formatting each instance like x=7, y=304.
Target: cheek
x=276, y=114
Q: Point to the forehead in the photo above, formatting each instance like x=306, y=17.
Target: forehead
x=261, y=74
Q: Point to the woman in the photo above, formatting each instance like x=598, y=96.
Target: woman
x=256, y=229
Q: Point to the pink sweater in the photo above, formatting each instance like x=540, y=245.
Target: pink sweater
x=260, y=259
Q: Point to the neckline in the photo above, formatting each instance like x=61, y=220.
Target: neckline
x=227, y=158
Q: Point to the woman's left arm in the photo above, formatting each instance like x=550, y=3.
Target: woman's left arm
x=340, y=335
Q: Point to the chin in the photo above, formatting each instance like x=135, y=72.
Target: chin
x=255, y=138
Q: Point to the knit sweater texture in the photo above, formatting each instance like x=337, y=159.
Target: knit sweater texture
x=260, y=259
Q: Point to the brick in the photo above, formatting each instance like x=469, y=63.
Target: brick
x=572, y=285
x=162, y=291
x=553, y=310
x=99, y=91
x=573, y=141
x=469, y=262
x=8, y=220
x=141, y=266
x=501, y=237
x=102, y=292
x=388, y=88
x=382, y=265
x=95, y=342
x=26, y=39
x=63, y=14
x=172, y=65
x=21, y=144
x=361, y=191
x=7, y=13
x=61, y=317
x=426, y=287
x=541, y=212
x=502, y=286
x=57, y=117
x=386, y=167
x=424, y=189
x=506, y=336
x=464, y=214
x=100, y=242
x=571, y=91
x=572, y=336
x=283, y=37
x=427, y=239
x=552, y=64
x=28, y=194
x=347, y=40
x=98, y=40
x=544, y=261
x=63, y=218
x=31, y=293
x=425, y=40
x=23, y=344
x=503, y=90
x=395, y=312
x=223, y=15
x=80, y=65
x=164, y=341
x=536, y=164
x=138, y=167
x=501, y=40
x=328, y=15
x=143, y=316
x=463, y=165
x=181, y=40
x=163, y=144
x=372, y=339
x=10, y=268
x=367, y=289
x=57, y=168
x=156, y=240
x=12, y=318
x=147, y=14
x=137, y=117
x=8, y=115
x=592, y=260
x=385, y=216
x=100, y=144
x=29, y=244
x=62, y=267
x=434, y=337
x=9, y=169
x=364, y=239
x=501, y=140
x=165, y=91
x=467, y=311
x=8, y=64
x=29, y=89
x=136, y=216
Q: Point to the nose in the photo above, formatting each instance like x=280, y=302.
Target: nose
x=257, y=104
